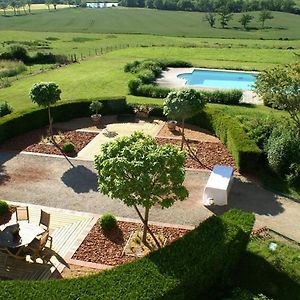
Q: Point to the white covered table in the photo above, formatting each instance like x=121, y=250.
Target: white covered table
x=218, y=186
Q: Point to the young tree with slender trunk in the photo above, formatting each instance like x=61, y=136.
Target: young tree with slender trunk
x=139, y=172
x=4, y=6
x=225, y=17
x=183, y=104
x=210, y=18
x=263, y=16
x=245, y=20
x=45, y=94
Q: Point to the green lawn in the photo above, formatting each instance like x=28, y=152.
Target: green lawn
x=104, y=76
x=148, y=21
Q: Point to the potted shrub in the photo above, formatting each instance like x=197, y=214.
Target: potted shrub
x=95, y=107
x=172, y=125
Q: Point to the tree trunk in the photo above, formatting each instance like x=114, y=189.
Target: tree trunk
x=146, y=222
x=147, y=227
x=50, y=122
x=182, y=134
x=29, y=9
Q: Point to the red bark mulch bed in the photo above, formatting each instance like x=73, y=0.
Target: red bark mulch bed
x=30, y=141
x=7, y=216
x=106, y=247
x=209, y=153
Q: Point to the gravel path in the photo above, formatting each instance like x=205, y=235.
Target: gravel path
x=51, y=181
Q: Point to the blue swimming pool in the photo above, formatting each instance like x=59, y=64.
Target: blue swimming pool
x=219, y=79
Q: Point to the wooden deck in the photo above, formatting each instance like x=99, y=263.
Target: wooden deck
x=67, y=228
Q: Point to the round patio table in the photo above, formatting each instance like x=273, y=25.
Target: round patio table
x=28, y=232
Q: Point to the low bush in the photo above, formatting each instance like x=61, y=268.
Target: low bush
x=133, y=86
x=195, y=266
x=132, y=67
x=5, y=109
x=3, y=207
x=293, y=176
x=22, y=121
x=230, y=97
x=11, y=68
x=152, y=91
x=147, y=76
x=68, y=147
x=108, y=221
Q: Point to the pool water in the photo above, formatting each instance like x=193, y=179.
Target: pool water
x=219, y=79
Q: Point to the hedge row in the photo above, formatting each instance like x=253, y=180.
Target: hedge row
x=20, y=122
x=229, y=130
x=195, y=266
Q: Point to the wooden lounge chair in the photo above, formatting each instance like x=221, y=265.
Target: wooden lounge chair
x=35, y=248
x=22, y=214
x=45, y=223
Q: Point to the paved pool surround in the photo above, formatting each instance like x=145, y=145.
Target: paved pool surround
x=170, y=79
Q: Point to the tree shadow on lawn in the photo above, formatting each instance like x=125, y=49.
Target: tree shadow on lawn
x=80, y=179
x=250, y=197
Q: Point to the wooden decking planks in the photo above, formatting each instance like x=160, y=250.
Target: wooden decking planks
x=68, y=229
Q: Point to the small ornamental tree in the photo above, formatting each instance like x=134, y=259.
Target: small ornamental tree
x=279, y=87
x=210, y=18
x=183, y=104
x=45, y=94
x=139, y=172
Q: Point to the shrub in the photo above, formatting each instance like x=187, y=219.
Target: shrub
x=133, y=86
x=231, y=97
x=19, y=53
x=153, y=91
x=293, y=177
x=283, y=149
x=96, y=106
x=68, y=147
x=153, y=66
x=164, y=63
x=132, y=67
x=5, y=109
x=195, y=266
x=108, y=221
x=3, y=207
x=147, y=76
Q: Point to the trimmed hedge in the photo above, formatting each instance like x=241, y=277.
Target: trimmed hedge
x=20, y=122
x=195, y=266
x=229, y=130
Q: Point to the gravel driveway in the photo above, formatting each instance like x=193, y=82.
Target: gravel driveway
x=51, y=181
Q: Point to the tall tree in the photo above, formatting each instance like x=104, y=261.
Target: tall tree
x=245, y=20
x=225, y=17
x=183, y=104
x=279, y=87
x=263, y=16
x=4, y=6
x=138, y=171
x=14, y=4
x=45, y=94
x=210, y=18
x=29, y=3
x=48, y=3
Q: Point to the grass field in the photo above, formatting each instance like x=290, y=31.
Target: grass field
x=104, y=76
x=147, y=21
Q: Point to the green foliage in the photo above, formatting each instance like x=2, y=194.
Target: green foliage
x=279, y=87
x=133, y=86
x=20, y=122
x=45, y=93
x=192, y=267
x=245, y=20
x=108, y=221
x=260, y=129
x=68, y=147
x=183, y=104
x=3, y=207
x=19, y=53
x=293, y=177
x=133, y=67
x=5, y=109
x=147, y=76
x=263, y=16
x=153, y=91
x=10, y=68
x=96, y=106
x=283, y=149
x=138, y=171
x=230, y=97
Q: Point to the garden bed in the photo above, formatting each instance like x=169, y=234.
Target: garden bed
x=31, y=141
x=107, y=247
x=209, y=153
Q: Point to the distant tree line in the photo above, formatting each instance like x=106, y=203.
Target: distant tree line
x=233, y=6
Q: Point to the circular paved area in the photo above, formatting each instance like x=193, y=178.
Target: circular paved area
x=51, y=181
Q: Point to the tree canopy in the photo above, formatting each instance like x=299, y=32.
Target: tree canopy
x=279, y=87
x=138, y=171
